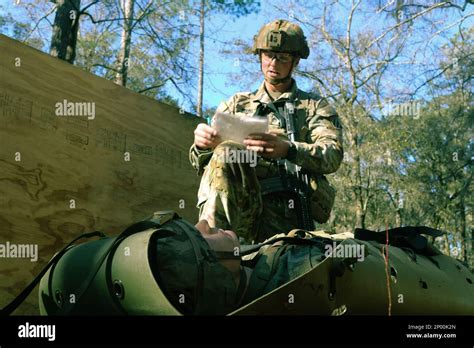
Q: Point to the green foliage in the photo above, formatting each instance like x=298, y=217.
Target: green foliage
x=235, y=8
x=405, y=168
x=94, y=53
x=415, y=171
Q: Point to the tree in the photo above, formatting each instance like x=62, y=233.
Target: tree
x=127, y=10
x=157, y=54
x=66, y=25
x=236, y=8
x=357, y=69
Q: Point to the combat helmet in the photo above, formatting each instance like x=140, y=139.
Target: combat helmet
x=139, y=272
x=281, y=36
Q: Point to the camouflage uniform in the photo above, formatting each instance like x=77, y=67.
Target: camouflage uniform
x=229, y=195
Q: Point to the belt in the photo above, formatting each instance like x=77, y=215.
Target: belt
x=273, y=184
x=266, y=169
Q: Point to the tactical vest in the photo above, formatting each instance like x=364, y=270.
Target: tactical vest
x=322, y=194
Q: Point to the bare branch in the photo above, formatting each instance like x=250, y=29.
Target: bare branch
x=86, y=7
x=422, y=13
x=447, y=67
x=38, y=22
x=348, y=52
x=155, y=86
x=105, y=67
x=328, y=38
x=449, y=26
x=101, y=20
x=145, y=12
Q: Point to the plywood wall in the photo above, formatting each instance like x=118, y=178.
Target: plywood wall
x=64, y=175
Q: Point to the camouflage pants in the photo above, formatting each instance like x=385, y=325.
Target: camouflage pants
x=230, y=198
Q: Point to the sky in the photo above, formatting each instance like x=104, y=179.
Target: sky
x=219, y=87
x=217, y=67
x=219, y=27
x=216, y=78
x=218, y=83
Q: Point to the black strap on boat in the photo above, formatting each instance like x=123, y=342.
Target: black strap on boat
x=407, y=236
x=8, y=309
x=249, y=249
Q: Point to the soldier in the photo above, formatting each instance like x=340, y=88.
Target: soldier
x=256, y=201
x=186, y=269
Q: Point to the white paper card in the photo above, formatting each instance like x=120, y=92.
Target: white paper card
x=237, y=127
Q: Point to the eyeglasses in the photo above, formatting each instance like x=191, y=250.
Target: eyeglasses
x=280, y=57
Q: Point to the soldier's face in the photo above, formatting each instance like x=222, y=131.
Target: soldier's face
x=218, y=239
x=277, y=65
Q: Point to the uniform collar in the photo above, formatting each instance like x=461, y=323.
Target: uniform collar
x=261, y=96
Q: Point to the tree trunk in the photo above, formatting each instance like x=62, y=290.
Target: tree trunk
x=123, y=60
x=446, y=248
x=201, y=61
x=471, y=261
x=464, y=247
x=358, y=191
x=398, y=210
x=66, y=25
x=398, y=217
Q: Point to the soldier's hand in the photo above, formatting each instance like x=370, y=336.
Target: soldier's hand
x=206, y=137
x=267, y=145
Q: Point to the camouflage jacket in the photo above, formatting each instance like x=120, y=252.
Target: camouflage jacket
x=319, y=141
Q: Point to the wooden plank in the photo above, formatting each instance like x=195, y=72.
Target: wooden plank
x=48, y=162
